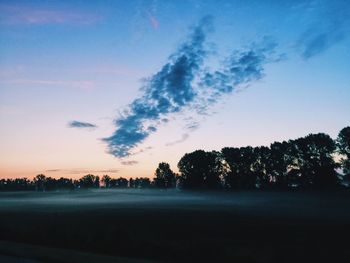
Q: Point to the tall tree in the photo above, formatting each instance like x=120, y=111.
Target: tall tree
x=261, y=166
x=231, y=163
x=278, y=164
x=201, y=170
x=343, y=147
x=313, y=157
x=164, y=176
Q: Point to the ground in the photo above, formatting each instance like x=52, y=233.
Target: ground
x=172, y=226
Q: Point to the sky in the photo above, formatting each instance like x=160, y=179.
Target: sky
x=115, y=87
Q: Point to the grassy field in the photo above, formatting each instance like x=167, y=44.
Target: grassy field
x=171, y=226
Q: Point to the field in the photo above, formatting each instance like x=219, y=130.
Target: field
x=171, y=226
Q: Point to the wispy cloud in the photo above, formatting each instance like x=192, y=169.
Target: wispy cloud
x=79, y=124
x=183, y=138
x=314, y=41
x=327, y=25
x=184, y=83
x=129, y=163
x=26, y=15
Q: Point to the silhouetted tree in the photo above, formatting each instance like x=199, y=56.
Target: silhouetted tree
x=89, y=181
x=277, y=167
x=131, y=183
x=39, y=182
x=65, y=183
x=164, y=176
x=261, y=166
x=201, y=170
x=142, y=182
x=106, y=180
x=343, y=148
x=231, y=159
x=312, y=157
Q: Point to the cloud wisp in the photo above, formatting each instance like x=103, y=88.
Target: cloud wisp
x=81, y=125
x=185, y=83
x=315, y=41
x=329, y=25
x=129, y=163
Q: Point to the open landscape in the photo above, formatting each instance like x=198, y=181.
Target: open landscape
x=149, y=131
x=173, y=226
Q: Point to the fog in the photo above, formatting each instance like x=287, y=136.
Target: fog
x=263, y=204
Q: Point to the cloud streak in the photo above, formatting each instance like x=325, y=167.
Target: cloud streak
x=81, y=125
x=315, y=41
x=129, y=163
x=185, y=83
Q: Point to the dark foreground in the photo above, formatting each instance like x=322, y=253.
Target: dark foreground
x=168, y=226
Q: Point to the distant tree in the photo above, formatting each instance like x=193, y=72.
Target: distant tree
x=51, y=184
x=106, y=180
x=97, y=182
x=142, y=182
x=39, y=182
x=343, y=148
x=87, y=181
x=201, y=170
x=65, y=183
x=131, y=183
x=122, y=182
x=164, y=176
x=312, y=157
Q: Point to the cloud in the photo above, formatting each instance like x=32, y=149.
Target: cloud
x=327, y=25
x=167, y=91
x=238, y=70
x=184, y=137
x=184, y=83
x=129, y=163
x=314, y=41
x=26, y=15
x=79, y=124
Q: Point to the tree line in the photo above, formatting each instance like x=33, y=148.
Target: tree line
x=315, y=161
x=90, y=181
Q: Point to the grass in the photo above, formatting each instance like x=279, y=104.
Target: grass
x=170, y=226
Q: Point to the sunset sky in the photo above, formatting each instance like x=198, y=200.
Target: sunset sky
x=115, y=87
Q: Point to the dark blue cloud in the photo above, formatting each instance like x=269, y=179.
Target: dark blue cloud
x=183, y=83
x=241, y=68
x=79, y=124
x=167, y=91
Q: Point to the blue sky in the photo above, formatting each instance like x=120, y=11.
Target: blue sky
x=74, y=75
